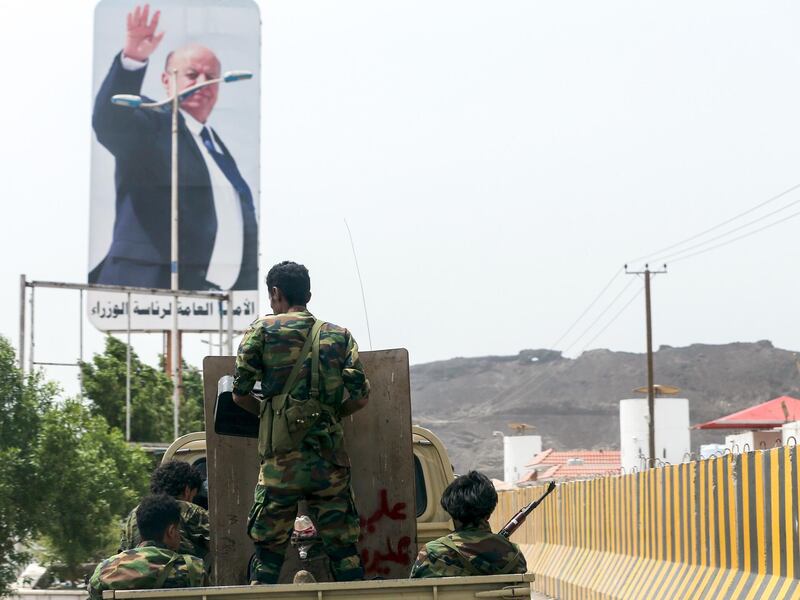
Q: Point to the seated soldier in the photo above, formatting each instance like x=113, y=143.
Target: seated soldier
x=182, y=481
x=155, y=563
x=472, y=549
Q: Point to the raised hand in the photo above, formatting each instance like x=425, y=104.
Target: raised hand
x=141, y=38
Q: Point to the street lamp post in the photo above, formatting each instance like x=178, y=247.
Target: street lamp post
x=133, y=101
x=173, y=261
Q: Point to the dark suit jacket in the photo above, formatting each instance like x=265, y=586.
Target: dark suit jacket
x=140, y=141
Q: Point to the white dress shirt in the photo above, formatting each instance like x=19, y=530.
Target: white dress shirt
x=226, y=257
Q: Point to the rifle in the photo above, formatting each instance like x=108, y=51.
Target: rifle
x=519, y=518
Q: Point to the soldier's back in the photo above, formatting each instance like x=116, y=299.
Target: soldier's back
x=150, y=566
x=472, y=550
x=268, y=352
x=273, y=343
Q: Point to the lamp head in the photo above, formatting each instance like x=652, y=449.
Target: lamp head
x=231, y=76
x=129, y=100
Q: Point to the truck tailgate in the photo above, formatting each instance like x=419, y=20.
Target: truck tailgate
x=444, y=588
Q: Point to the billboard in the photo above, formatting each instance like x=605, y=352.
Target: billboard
x=140, y=52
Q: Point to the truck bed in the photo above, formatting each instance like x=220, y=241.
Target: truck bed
x=443, y=588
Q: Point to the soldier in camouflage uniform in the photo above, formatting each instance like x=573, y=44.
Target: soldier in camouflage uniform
x=154, y=564
x=472, y=549
x=182, y=481
x=318, y=470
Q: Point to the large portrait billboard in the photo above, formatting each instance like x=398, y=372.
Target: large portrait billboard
x=140, y=52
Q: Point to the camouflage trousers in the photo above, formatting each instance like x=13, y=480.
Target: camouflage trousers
x=285, y=480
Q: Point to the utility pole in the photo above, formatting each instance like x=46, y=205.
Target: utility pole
x=651, y=393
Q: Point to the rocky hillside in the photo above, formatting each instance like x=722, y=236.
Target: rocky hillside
x=573, y=403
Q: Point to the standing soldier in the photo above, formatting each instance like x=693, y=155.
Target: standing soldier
x=155, y=563
x=304, y=365
x=472, y=549
x=182, y=481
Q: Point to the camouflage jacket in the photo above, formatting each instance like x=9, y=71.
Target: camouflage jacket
x=471, y=550
x=149, y=566
x=269, y=350
x=195, y=536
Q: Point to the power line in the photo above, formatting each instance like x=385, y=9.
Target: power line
x=537, y=379
x=614, y=318
x=727, y=233
x=748, y=234
x=600, y=316
x=522, y=387
x=586, y=310
x=718, y=225
x=518, y=388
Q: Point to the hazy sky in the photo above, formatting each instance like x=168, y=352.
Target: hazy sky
x=497, y=163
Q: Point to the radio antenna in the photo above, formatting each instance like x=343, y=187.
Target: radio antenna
x=360, y=283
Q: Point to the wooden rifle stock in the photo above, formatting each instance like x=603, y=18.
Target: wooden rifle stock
x=518, y=519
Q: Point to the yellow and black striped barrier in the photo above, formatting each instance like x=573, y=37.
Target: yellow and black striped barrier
x=725, y=527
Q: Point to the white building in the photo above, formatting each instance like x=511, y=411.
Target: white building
x=673, y=436
x=517, y=452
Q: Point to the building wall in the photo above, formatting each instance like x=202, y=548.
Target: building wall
x=753, y=440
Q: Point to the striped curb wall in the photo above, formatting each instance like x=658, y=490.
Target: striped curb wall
x=726, y=527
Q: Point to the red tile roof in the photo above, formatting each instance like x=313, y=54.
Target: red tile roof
x=573, y=464
x=551, y=457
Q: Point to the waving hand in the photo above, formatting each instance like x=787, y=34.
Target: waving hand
x=141, y=38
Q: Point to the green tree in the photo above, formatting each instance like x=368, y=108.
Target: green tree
x=151, y=394
x=89, y=478
x=192, y=408
x=66, y=477
x=22, y=401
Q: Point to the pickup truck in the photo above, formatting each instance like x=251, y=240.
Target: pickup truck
x=399, y=473
x=432, y=473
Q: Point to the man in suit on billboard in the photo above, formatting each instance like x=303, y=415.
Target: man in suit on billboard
x=217, y=229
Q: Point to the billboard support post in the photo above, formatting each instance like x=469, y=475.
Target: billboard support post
x=176, y=358
x=220, y=327
x=22, y=292
x=28, y=361
x=80, y=338
x=230, y=322
x=31, y=361
x=127, y=374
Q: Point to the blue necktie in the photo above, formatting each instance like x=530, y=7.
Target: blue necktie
x=228, y=166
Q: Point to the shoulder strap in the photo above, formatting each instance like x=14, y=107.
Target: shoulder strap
x=470, y=568
x=162, y=577
x=466, y=564
x=290, y=381
x=314, y=393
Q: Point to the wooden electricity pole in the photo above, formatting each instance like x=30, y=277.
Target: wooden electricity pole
x=651, y=393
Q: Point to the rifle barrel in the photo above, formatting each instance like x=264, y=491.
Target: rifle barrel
x=519, y=518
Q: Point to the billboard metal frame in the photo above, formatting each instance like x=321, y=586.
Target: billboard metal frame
x=25, y=333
